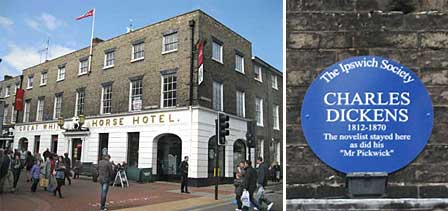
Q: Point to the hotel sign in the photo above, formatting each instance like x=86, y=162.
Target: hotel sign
x=133, y=120
x=367, y=114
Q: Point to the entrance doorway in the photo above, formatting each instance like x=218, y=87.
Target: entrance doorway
x=23, y=144
x=76, y=149
x=239, y=153
x=212, y=155
x=169, y=156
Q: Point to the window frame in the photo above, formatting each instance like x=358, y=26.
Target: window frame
x=173, y=91
x=7, y=91
x=221, y=95
x=276, y=117
x=26, y=110
x=221, y=49
x=40, y=109
x=259, y=104
x=241, y=57
x=77, y=105
x=131, y=88
x=164, y=44
x=103, y=88
x=30, y=83
x=81, y=67
x=260, y=74
x=60, y=68
x=243, y=102
x=133, y=59
x=274, y=78
x=43, y=78
x=105, y=65
x=5, y=113
x=57, y=106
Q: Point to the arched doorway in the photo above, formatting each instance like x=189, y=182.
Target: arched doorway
x=239, y=153
x=211, y=157
x=169, y=156
x=23, y=144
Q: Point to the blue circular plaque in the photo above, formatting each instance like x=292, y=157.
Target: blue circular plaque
x=367, y=114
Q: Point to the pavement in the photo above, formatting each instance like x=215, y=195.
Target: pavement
x=83, y=194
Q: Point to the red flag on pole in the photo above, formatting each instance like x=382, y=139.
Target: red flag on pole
x=88, y=14
x=19, y=99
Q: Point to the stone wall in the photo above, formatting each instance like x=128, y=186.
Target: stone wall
x=320, y=33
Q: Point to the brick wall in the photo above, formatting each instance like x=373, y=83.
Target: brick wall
x=320, y=33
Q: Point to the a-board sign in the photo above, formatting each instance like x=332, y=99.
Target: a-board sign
x=367, y=114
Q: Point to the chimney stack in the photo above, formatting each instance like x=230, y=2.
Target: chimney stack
x=96, y=40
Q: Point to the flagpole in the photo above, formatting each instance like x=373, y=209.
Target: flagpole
x=91, y=41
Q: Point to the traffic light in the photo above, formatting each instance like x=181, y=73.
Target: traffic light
x=223, y=128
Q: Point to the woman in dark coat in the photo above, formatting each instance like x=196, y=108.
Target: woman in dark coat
x=59, y=175
x=29, y=162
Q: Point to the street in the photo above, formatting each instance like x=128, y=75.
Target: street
x=83, y=194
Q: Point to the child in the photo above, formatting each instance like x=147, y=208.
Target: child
x=35, y=175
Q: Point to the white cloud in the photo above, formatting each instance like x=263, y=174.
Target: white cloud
x=6, y=22
x=22, y=57
x=44, y=21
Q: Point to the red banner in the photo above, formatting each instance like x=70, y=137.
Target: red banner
x=200, y=51
x=19, y=99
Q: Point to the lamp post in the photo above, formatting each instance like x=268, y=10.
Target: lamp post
x=61, y=122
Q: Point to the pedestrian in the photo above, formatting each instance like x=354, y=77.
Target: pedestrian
x=239, y=177
x=7, y=180
x=46, y=172
x=250, y=183
x=46, y=154
x=184, y=175
x=68, y=164
x=76, y=169
x=262, y=182
x=38, y=156
x=29, y=162
x=105, y=172
x=2, y=171
x=59, y=175
x=16, y=167
x=35, y=175
x=277, y=170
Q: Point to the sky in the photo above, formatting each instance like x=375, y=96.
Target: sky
x=26, y=25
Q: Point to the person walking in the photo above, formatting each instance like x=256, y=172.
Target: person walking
x=46, y=172
x=2, y=171
x=35, y=175
x=29, y=162
x=68, y=164
x=59, y=175
x=262, y=182
x=7, y=181
x=105, y=172
x=250, y=183
x=16, y=167
x=184, y=175
x=76, y=169
x=239, y=177
x=46, y=154
x=277, y=170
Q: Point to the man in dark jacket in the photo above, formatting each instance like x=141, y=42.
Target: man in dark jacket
x=262, y=181
x=250, y=182
x=104, y=176
x=68, y=168
x=184, y=175
x=46, y=154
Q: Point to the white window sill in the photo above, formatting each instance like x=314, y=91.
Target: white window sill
x=81, y=74
x=276, y=88
x=170, y=51
x=276, y=128
x=260, y=125
x=28, y=88
x=241, y=72
x=216, y=60
x=261, y=81
x=108, y=67
x=43, y=84
x=6, y=96
x=59, y=80
x=136, y=60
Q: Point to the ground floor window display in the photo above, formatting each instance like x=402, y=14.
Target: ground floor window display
x=151, y=139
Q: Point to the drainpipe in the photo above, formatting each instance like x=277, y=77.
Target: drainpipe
x=191, y=24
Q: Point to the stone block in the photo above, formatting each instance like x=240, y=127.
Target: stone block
x=376, y=39
x=434, y=40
